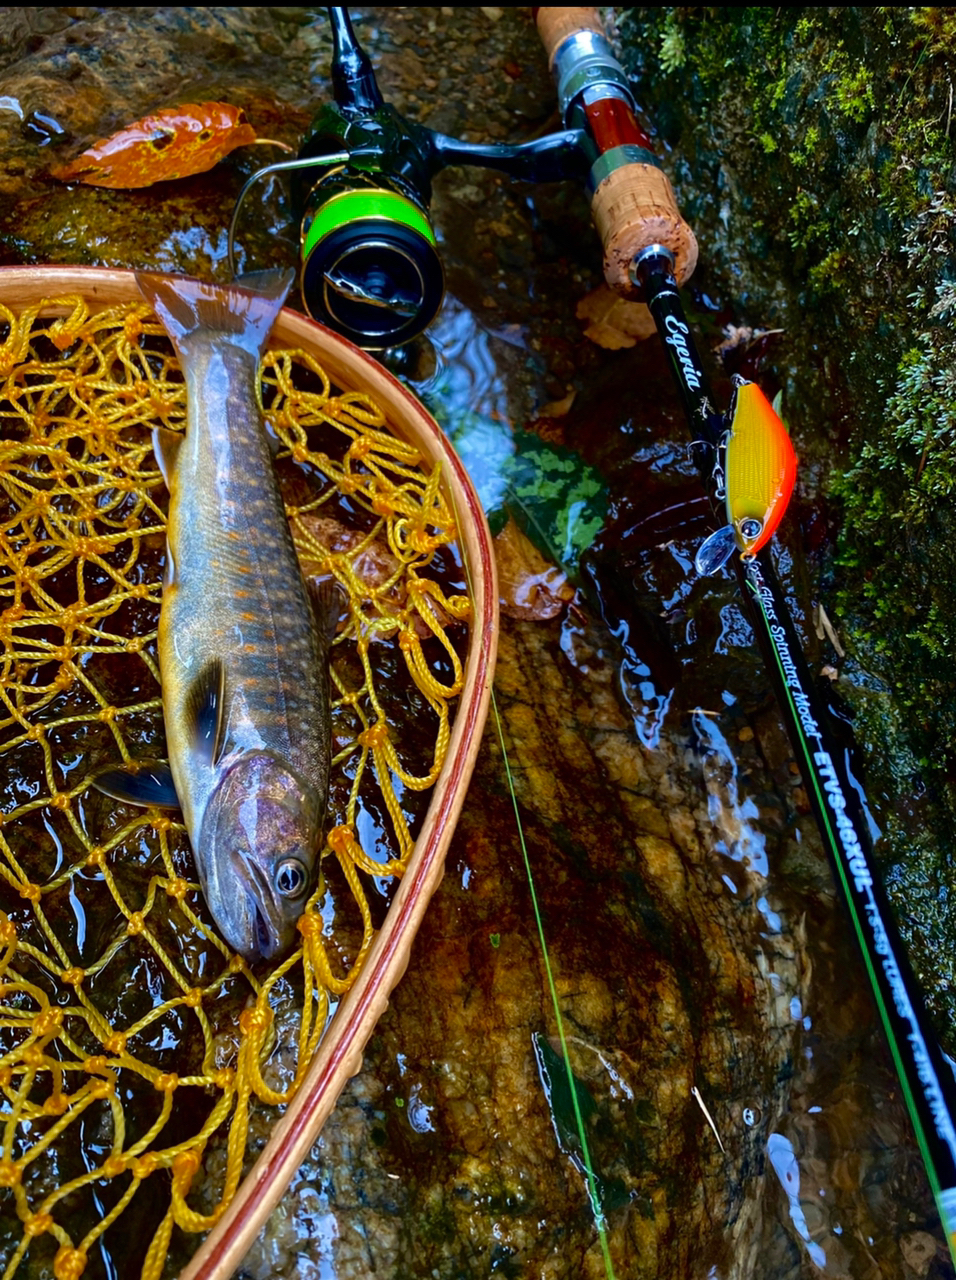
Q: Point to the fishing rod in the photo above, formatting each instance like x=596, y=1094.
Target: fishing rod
x=647, y=251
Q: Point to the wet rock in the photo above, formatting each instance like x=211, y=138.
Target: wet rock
x=444, y=1158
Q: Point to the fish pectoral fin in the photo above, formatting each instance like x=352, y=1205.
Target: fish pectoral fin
x=145, y=785
x=166, y=447
x=206, y=711
x=328, y=601
x=714, y=552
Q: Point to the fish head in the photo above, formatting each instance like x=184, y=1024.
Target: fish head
x=258, y=851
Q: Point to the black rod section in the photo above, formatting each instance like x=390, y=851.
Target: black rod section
x=353, y=79
x=655, y=274
x=926, y=1075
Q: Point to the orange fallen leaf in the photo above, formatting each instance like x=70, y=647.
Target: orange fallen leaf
x=557, y=408
x=528, y=585
x=613, y=322
x=172, y=143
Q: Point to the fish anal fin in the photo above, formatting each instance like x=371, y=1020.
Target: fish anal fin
x=144, y=784
x=169, y=569
x=205, y=711
x=328, y=600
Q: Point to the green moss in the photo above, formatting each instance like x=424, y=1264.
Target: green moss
x=673, y=53
x=806, y=151
x=437, y=1223
x=853, y=93
x=814, y=153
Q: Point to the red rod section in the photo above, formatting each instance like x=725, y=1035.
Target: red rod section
x=612, y=123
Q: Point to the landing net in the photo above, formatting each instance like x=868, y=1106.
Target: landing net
x=135, y=1047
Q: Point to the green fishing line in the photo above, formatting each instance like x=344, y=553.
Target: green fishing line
x=599, y=1220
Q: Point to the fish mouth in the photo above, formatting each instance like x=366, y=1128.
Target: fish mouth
x=250, y=921
x=269, y=929
x=264, y=943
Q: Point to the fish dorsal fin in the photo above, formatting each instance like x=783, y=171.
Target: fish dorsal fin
x=243, y=313
x=144, y=784
x=206, y=712
x=714, y=552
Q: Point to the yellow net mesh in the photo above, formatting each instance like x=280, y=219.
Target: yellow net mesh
x=134, y=1046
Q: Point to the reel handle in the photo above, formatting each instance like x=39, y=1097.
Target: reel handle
x=632, y=201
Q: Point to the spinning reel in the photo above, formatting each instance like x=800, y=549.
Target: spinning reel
x=369, y=261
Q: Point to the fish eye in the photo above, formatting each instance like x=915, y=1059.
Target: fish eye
x=750, y=528
x=291, y=878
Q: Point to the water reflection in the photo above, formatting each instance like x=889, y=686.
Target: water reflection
x=785, y=1166
x=735, y=819
x=468, y=396
x=418, y=1112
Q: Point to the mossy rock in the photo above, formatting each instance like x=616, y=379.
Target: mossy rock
x=812, y=150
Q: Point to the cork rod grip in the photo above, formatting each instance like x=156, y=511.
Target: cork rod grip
x=555, y=25
x=634, y=206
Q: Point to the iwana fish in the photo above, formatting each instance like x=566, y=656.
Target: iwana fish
x=760, y=468
x=243, y=644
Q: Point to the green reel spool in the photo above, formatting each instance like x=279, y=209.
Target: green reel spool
x=370, y=264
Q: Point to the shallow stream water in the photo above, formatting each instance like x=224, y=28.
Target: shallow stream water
x=746, y=1120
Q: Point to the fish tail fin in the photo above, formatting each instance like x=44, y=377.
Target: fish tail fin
x=244, y=312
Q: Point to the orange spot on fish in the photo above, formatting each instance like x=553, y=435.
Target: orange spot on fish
x=761, y=468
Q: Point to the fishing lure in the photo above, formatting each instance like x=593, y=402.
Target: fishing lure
x=756, y=474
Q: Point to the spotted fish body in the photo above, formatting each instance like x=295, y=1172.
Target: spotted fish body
x=243, y=649
x=760, y=468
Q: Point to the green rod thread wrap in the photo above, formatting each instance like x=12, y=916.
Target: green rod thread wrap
x=351, y=206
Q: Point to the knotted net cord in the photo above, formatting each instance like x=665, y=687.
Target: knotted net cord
x=134, y=1045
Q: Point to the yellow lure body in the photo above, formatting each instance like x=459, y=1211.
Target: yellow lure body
x=760, y=468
